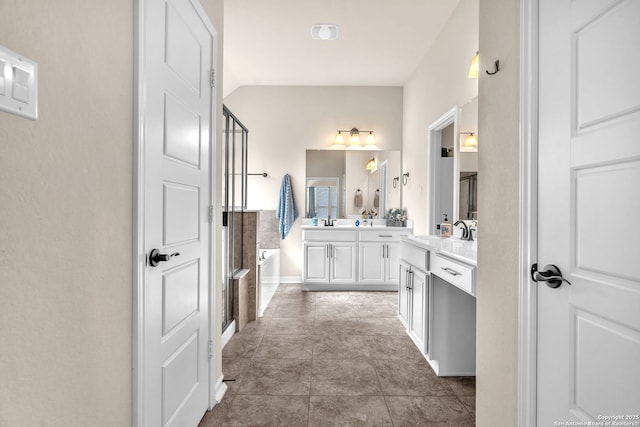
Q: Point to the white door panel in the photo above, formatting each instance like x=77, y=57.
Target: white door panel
x=179, y=377
x=180, y=291
x=182, y=140
x=178, y=101
x=589, y=170
x=181, y=205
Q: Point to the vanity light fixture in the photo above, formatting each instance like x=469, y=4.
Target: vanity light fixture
x=355, y=137
x=473, y=69
x=371, y=140
x=371, y=165
x=470, y=143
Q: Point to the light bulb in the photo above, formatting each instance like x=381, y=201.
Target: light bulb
x=371, y=140
x=473, y=69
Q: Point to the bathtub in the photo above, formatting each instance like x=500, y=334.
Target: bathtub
x=268, y=277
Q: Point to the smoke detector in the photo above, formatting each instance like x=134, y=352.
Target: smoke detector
x=324, y=32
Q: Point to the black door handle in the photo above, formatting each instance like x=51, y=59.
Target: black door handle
x=551, y=275
x=155, y=257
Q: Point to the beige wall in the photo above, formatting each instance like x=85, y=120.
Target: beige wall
x=439, y=83
x=66, y=216
x=285, y=121
x=498, y=206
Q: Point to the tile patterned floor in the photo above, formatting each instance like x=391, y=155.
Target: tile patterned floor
x=335, y=359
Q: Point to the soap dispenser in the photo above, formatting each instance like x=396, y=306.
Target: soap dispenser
x=445, y=227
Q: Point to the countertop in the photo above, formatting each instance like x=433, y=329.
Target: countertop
x=353, y=227
x=461, y=250
x=349, y=224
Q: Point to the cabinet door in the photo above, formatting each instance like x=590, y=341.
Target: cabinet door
x=419, y=292
x=343, y=262
x=316, y=262
x=403, y=294
x=392, y=263
x=372, y=264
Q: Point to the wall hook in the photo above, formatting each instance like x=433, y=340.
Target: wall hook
x=497, y=64
x=405, y=178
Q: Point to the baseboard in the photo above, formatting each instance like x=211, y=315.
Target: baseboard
x=348, y=287
x=290, y=279
x=221, y=389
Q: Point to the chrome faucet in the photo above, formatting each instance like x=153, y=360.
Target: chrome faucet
x=328, y=222
x=466, y=232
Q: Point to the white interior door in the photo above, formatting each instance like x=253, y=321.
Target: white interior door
x=177, y=59
x=588, y=357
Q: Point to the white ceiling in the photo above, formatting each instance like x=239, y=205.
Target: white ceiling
x=380, y=42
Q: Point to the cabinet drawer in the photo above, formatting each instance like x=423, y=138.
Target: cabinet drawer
x=382, y=235
x=329, y=235
x=456, y=273
x=418, y=257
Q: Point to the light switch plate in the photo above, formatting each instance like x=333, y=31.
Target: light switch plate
x=18, y=84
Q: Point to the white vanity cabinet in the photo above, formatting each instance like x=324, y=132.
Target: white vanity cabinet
x=330, y=257
x=379, y=259
x=413, y=293
x=436, y=301
x=352, y=258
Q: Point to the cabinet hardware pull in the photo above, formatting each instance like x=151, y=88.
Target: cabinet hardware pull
x=385, y=235
x=451, y=271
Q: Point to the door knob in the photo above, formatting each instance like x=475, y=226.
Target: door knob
x=551, y=275
x=155, y=257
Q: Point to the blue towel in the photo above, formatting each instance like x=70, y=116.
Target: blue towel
x=287, y=210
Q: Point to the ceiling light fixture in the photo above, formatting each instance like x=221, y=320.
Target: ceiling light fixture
x=324, y=32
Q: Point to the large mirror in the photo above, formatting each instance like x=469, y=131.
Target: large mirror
x=352, y=183
x=453, y=168
x=468, y=163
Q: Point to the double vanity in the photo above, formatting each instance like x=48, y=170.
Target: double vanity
x=345, y=257
x=435, y=278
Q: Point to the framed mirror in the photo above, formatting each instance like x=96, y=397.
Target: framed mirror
x=361, y=182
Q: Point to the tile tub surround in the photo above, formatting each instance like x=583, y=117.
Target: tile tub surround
x=331, y=359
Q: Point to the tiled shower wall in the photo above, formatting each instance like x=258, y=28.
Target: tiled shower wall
x=268, y=235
